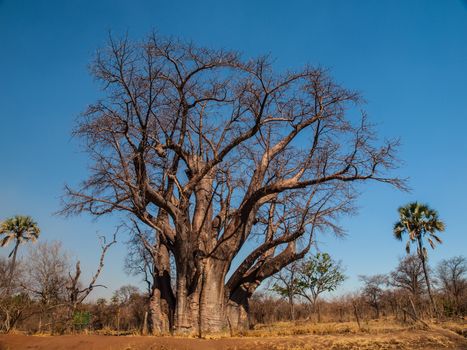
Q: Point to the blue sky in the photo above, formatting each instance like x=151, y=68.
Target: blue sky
x=407, y=58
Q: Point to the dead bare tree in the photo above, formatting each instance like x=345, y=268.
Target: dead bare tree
x=47, y=266
x=15, y=305
x=373, y=291
x=76, y=293
x=212, y=151
x=409, y=277
x=452, y=276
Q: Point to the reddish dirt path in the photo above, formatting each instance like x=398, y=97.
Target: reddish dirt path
x=400, y=340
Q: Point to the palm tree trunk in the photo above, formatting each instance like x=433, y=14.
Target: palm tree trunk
x=12, y=266
x=425, y=272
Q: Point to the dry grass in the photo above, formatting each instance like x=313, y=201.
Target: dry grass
x=330, y=328
x=459, y=327
x=373, y=335
x=113, y=332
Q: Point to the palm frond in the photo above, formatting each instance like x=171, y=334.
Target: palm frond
x=398, y=230
x=407, y=247
x=436, y=238
x=5, y=240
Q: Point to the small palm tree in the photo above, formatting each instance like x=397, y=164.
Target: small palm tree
x=419, y=221
x=18, y=229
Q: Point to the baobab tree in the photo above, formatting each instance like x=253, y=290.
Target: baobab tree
x=419, y=222
x=212, y=151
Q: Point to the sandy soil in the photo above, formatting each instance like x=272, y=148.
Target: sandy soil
x=418, y=339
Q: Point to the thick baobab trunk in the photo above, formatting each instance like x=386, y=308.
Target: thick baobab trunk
x=238, y=310
x=186, y=310
x=187, y=281
x=200, y=300
x=200, y=309
x=212, y=297
x=159, y=319
x=162, y=302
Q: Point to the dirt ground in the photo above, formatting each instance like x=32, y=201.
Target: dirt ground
x=408, y=339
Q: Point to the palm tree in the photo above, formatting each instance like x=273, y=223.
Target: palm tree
x=419, y=221
x=18, y=229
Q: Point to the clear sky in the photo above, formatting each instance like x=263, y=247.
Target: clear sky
x=408, y=59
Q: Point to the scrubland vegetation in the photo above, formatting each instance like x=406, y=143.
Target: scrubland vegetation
x=41, y=302
x=42, y=294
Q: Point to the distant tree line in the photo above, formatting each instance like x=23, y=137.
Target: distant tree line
x=401, y=294
x=41, y=295
x=44, y=291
